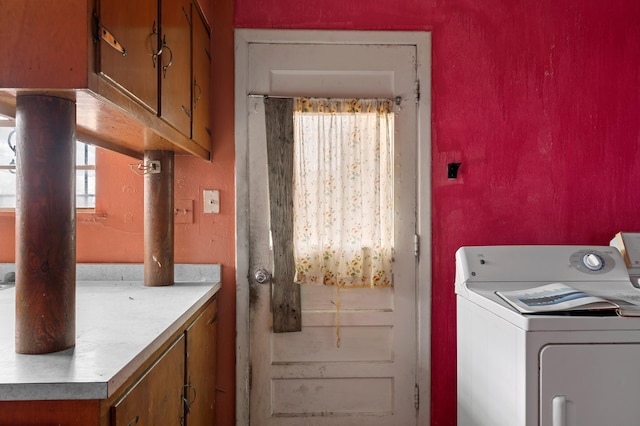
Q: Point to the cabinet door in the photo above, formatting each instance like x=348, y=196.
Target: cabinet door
x=200, y=391
x=589, y=385
x=134, y=26
x=156, y=399
x=175, y=65
x=200, y=85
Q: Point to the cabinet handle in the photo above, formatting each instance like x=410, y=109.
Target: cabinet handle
x=199, y=93
x=164, y=67
x=190, y=386
x=559, y=410
x=187, y=403
x=134, y=421
x=154, y=55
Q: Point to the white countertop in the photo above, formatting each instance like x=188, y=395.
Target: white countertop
x=118, y=325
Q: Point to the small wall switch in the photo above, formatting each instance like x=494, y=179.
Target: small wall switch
x=211, y=201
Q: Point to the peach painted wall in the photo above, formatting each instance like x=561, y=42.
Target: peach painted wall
x=114, y=233
x=539, y=100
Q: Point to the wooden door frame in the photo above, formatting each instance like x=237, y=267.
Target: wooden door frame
x=422, y=41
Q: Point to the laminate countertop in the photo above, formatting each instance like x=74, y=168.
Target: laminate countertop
x=119, y=324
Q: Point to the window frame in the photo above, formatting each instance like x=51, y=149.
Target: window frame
x=83, y=167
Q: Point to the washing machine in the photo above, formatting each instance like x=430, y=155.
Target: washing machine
x=578, y=368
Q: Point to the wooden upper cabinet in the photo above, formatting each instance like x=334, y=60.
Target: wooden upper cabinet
x=129, y=64
x=201, y=55
x=175, y=64
x=129, y=43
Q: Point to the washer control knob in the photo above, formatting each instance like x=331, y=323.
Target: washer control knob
x=593, y=262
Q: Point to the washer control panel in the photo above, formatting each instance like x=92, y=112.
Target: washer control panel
x=592, y=261
x=539, y=263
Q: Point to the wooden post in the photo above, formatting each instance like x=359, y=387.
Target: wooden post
x=158, y=218
x=286, y=302
x=45, y=223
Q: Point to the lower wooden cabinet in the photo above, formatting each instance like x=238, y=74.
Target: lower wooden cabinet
x=180, y=387
x=157, y=397
x=175, y=386
x=200, y=388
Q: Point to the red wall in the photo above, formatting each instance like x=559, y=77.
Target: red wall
x=539, y=100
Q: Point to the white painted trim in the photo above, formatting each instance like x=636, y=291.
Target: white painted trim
x=422, y=40
x=424, y=227
x=242, y=228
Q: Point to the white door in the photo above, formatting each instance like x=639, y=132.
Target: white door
x=304, y=378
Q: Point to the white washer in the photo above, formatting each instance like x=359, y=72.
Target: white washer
x=543, y=370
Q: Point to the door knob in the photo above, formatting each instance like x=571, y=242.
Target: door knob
x=262, y=276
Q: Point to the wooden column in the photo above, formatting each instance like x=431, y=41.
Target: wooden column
x=45, y=223
x=158, y=219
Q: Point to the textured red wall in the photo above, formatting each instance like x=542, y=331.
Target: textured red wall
x=539, y=100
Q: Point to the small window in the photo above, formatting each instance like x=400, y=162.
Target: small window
x=85, y=171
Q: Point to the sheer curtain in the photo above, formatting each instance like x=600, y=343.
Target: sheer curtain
x=343, y=192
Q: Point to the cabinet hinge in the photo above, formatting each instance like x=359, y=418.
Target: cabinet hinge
x=416, y=90
x=111, y=40
x=416, y=396
x=416, y=245
x=94, y=26
x=186, y=111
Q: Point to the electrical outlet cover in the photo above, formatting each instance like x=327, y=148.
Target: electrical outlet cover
x=211, y=201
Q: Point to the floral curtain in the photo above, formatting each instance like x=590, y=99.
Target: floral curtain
x=343, y=192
